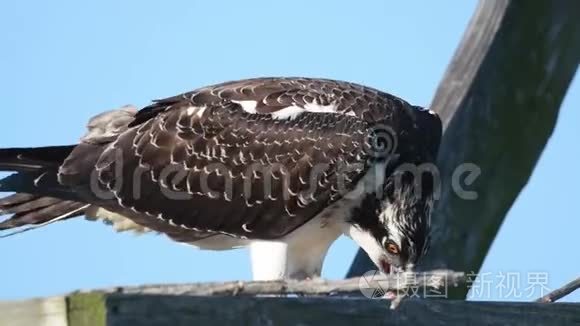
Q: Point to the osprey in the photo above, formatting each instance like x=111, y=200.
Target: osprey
x=282, y=165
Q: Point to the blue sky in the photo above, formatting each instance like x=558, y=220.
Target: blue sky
x=63, y=61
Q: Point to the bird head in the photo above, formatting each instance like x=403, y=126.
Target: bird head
x=394, y=229
x=393, y=225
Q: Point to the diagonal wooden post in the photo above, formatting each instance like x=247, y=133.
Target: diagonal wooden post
x=499, y=102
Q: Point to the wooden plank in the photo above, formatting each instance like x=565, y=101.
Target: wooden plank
x=153, y=310
x=440, y=280
x=37, y=312
x=114, y=308
x=499, y=101
x=87, y=309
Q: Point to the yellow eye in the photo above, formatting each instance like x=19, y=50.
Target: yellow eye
x=392, y=248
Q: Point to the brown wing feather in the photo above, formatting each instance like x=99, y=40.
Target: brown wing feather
x=173, y=146
x=277, y=93
x=207, y=161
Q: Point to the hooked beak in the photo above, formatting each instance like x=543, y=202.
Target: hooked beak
x=384, y=266
x=387, y=268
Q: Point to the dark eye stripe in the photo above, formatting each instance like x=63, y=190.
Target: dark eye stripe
x=384, y=241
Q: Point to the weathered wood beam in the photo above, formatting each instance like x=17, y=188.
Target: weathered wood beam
x=561, y=292
x=113, y=309
x=45, y=311
x=499, y=102
x=439, y=279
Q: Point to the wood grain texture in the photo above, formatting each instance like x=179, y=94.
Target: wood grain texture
x=439, y=280
x=155, y=305
x=160, y=310
x=561, y=292
x=37, y=312
x=499, y=102
x=87, y=309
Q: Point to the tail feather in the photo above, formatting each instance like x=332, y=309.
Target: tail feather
x=43, y=182
x=33, y=159
x=36, y=211
x=12, y=201
x=37, y=170
x=40, y=199
x=23, y=203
